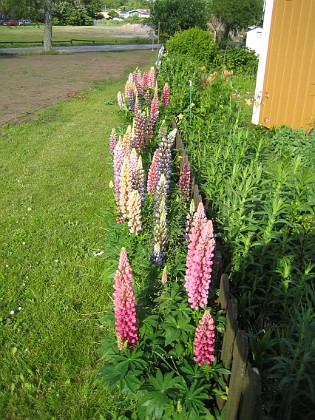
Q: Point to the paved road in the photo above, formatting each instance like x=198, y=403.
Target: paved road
x=82, y=48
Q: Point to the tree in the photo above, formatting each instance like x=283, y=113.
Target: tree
x=170, y=16
x=236, y=14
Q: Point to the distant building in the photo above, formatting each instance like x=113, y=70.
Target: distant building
x=254, y=39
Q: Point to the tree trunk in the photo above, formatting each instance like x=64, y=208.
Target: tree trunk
x=48, y=25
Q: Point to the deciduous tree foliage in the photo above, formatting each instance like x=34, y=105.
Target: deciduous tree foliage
x=237, y=14
x=170, y=16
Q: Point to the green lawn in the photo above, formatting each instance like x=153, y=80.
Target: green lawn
x=109, y=34
x=54, y=181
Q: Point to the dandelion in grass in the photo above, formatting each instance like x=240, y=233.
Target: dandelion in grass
x=125, y=187
x=184, y=182
x=204, y=340
x=199, y=260
x=124, y=304
x=153, y=175
x=165, y=95
x=134, y=212
x=113, y=139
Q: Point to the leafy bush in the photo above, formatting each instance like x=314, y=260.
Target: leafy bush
x=238, y=59
x=196, y=44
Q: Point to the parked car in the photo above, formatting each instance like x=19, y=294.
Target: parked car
x=24, y=22
x=10, y=23
x=1, y=21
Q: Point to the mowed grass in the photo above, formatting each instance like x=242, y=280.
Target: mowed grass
x=108, y=34
x=54, y=181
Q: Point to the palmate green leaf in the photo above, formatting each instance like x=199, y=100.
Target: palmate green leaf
x=131, y=382
x=151, y=405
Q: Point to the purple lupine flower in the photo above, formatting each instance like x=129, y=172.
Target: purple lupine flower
x=184, y=182
x=189, y=220
x=153, y=175
x=160, y=222
x=154, y=104
x=133, y=162
x=139, y=130
x=132, y=98
x=113, y=139
x=124, y=304
x=119, y=153
x=134, y=212
x=164, y=154
x=199, y=265
x=147, y=97
x=204, y=340
x=140, y=179
x=165, y=95
x=150, y=126
x=125, y=187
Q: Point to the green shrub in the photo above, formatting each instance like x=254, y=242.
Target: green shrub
x=238, y=59
x=194, y=43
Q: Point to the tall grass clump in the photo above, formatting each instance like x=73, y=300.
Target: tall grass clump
x=260, y=188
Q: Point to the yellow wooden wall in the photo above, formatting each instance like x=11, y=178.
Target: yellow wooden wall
x=288, y=96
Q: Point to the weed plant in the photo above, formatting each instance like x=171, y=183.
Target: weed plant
x=260, y=187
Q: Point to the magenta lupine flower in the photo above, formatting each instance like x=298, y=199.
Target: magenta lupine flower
x=199, y=266
x=153, y=175
x=139, y=130
x=152, y=78
x=204, y=340
x=134, y=212
x=124, y=304
x=165, y=95
x=160, y=222
x=119, y=153
x=113, y=139
x=120, y=100
x=184, y=182
x=145, y=80
x=125, y=187
x=154, y=104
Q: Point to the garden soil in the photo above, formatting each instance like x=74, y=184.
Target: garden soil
x=30, y=83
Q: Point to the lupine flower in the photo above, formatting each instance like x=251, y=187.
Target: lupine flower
x=153, y=175
x=165, y=95
x=150, y=125
x=126, y=141
x=119, y=153
x=128, y=85
x=124, y=303
x=112, y=141
x=133, y=162
x=125, y=187
x=199, y=265
x=184, y=182
x=164, y=276
x=120, y=100
x=160, y=222
x=152, y=78
x=139, y=131
x=189, y=220
x=137, y=106
x=155, y=103
x=164, y=160
x=204, y=340
x=147, y=98
x=134, y=212
x=140, y=179
x=144, y=80
x=132, y=99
